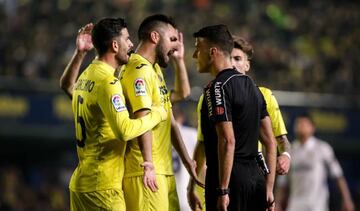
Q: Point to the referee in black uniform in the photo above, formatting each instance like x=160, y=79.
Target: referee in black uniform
x=232, y=113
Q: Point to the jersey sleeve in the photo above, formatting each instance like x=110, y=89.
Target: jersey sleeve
x=263, y=108
x=274, y=113
x=218, y=97
x=200, y=136
x=139, y=86
x=330, y=160
x=111, y=101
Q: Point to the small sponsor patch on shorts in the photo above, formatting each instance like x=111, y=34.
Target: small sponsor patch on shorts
x=118, y=103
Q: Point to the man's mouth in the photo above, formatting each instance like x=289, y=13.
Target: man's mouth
x=131, y=51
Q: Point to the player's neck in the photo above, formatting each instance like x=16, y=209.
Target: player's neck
x=220, y=64
x=110, y=60
x=147, y=51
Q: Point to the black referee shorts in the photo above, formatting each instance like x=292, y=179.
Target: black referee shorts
x=247, y=188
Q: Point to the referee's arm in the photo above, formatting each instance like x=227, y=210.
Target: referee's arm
x=226, y=147
x=268, y=140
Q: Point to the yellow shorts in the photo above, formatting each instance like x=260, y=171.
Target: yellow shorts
x=139, y=198
x=112, y=199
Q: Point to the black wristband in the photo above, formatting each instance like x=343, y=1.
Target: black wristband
x=222, y=191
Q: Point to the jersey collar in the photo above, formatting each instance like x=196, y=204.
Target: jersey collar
x=136, y=56
x=104, y=66
x=226, y=70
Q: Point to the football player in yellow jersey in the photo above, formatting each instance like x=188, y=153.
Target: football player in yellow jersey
x=241, y=55
x=102, y=121
x=149, y=182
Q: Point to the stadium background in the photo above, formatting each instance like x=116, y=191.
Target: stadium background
x=305, y=50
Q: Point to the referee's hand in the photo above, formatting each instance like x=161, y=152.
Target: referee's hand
x=223, y=202
x=270, y=201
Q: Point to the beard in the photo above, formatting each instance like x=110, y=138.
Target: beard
x=122, y=58
x=161, y=56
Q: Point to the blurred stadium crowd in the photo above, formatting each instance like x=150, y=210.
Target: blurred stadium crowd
x=299, y=46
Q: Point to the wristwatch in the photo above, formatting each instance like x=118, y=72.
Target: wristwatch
x=222, y=191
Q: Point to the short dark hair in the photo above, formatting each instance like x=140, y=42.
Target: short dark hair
x=218, y=35
x=104, y=32
x=151, y=22
x=306, y=115
x=245, y=46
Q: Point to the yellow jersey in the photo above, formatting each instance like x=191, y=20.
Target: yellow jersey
x=272, y=107
x=102, y=125
x=200, y=136
x=144, y=85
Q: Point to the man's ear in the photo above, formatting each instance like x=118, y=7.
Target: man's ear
x=154, y=37
x=247, y=65
x=114, y=46
x=213, y=51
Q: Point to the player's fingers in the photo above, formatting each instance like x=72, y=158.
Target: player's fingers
x=151, y=186
x=88, y=27
x=145, y=182
x=81, y=30
x=180, y=37
x=155, y=184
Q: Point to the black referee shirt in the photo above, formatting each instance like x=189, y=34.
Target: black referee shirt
x=234, y=97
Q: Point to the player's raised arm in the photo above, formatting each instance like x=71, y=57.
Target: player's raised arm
x=71, y=72
x=182, y=85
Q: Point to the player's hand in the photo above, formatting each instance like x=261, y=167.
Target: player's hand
x=223, y=202
x=193, y=200
x=149, y=178
x=270, y=201
x=83, y=39
x=180, y=50
x=282, y=165
x=191, y=168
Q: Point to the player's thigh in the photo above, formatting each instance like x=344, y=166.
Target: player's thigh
x=137, y=197
x=110, y=200
x=174, y=204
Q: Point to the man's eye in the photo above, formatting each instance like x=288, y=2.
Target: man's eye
x=237, y=58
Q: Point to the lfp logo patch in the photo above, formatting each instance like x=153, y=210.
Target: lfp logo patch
x=117, y=103
x=139, y=85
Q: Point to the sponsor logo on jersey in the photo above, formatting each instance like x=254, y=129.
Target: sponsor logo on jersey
x=219, y=110
x=118, y=103
x=140, y=66
x=114, y=82
x=208, y=102
x=139, y=85
x=218, y=94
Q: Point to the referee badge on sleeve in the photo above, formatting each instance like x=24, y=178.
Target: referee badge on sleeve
x=118, y=103
x=139, y=86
